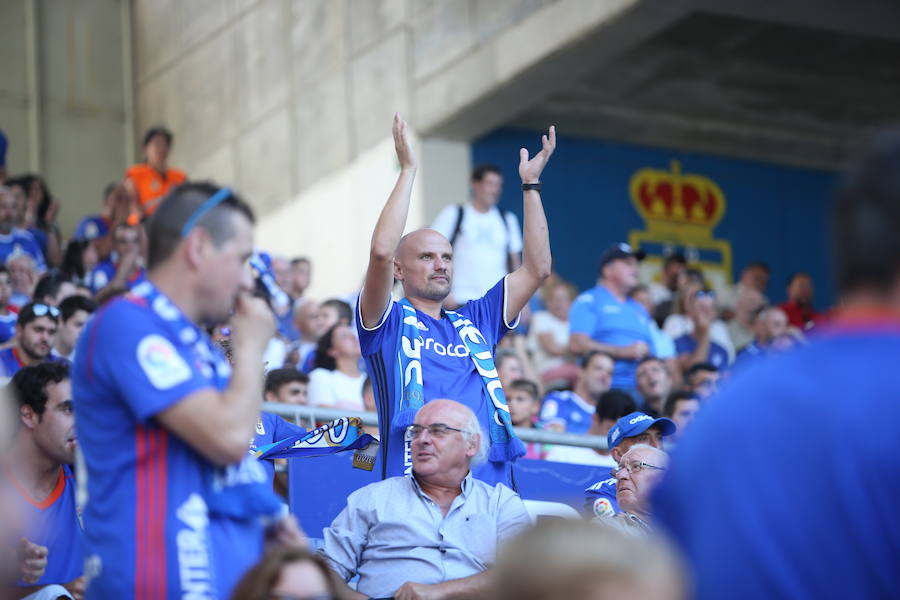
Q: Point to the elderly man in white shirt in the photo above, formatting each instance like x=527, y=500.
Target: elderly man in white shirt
x=434, y=533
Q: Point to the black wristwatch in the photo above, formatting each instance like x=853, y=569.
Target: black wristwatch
x=531, y=186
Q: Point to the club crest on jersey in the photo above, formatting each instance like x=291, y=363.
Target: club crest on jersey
x=161, y=362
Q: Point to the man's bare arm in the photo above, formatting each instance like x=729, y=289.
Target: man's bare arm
x=219, y=425
x=388, y=230
x=536, y=261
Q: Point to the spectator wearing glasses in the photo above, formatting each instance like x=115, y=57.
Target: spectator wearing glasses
x=434, y=534
x=638, y=473
x=699, y=344
x=35, y=335
x=632, y=429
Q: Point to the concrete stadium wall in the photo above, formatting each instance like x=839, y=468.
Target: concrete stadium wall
x=64, y=105
x=291, y=102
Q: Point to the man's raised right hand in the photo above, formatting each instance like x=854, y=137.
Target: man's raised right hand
x=402, y=145
x=252, y=321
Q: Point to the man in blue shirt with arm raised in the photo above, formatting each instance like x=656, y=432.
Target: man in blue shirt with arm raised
x=417, y=351
x=604, y=318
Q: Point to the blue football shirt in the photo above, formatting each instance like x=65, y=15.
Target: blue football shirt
x=812, y=510
x=602, y=317
x=447, y=372
x=8, y=326
x=53, y=522
x=569, y=409
x=717, y=355
x=159, y=521
x=600, y=499
x=20, y=241
x=10, y=363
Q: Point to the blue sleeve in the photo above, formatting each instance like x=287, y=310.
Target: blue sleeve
x=371, y=340
x=582, y=317
x=285, y=429
x=487, y=313
x=129, y=354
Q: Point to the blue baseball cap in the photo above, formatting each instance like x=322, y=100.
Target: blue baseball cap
x=635, y=424
x=90, y=228
x=619, y=251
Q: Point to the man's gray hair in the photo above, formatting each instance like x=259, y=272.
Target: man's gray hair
x=473, y=428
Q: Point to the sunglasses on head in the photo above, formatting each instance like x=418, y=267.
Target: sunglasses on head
x=41, y=310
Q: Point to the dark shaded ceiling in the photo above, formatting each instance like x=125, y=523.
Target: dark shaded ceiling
x=736, y=86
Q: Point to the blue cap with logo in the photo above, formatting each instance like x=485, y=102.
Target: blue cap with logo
x=635, y=424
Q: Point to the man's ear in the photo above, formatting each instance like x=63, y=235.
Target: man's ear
x=194, y=246
x=616, y=454
x=472, y=444
x=29, y=418
x=398, y=272
x=270, y=397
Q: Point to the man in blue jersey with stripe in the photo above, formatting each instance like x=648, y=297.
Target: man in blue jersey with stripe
x=38, y=466
x=604, y=318
x=414, y=349
x=783, y=489
x=175, y=502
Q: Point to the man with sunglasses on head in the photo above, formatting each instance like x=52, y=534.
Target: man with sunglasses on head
x=434, y=534
x=175, y=503
x=632, y=429
x=36, y=329
x=638, y=473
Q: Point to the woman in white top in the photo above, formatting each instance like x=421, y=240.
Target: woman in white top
x=336, y=380
x=548, y=334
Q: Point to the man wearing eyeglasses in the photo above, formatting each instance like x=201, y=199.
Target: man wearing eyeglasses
x=638, y=473
x=433, y=534
x=35, y=335
x=632, y=429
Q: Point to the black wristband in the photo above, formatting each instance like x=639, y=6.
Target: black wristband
x=531, y=186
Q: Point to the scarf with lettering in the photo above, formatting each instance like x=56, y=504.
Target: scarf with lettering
x=340, y=435
x=505, y=446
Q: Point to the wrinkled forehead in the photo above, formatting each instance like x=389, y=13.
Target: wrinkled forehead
x=648, y=455
x=441, y=411
x=423, y=240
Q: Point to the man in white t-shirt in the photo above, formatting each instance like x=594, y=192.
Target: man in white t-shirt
x=487, y=242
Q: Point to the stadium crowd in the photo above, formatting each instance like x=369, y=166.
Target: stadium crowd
x=137, y=342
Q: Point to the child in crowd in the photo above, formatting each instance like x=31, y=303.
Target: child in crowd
x=523, y=399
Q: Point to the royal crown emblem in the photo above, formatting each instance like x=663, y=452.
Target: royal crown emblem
x=680, y=211
x=677, y=197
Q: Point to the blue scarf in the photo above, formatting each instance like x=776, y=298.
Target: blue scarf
x=505, y=446
x=338, y=436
